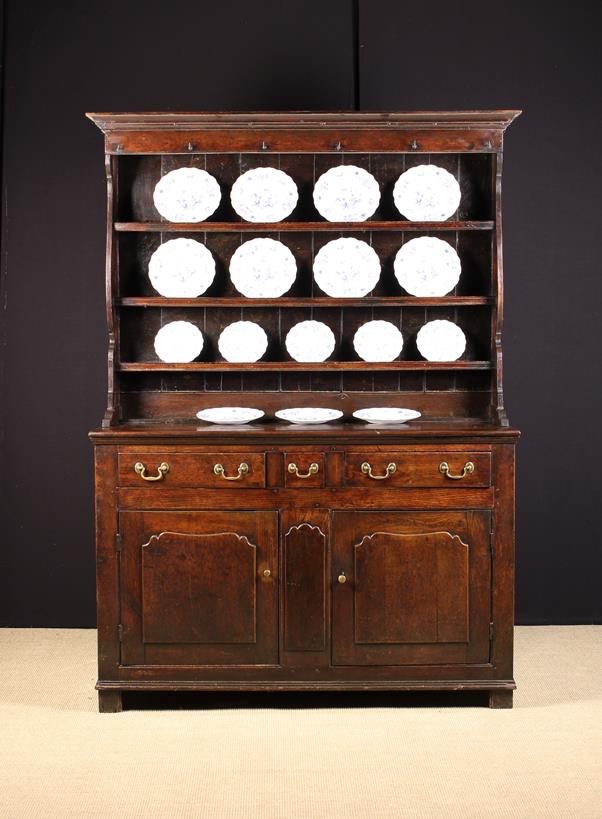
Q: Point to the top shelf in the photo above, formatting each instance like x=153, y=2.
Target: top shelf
x=291, y=227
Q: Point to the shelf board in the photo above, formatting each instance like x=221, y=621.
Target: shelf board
x=285, y=366
x=291, y=227
x=365, y=301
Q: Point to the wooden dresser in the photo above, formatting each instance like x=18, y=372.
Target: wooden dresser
x=389, y=563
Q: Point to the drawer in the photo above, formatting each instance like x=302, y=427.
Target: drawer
x=303, y=469
x=418, y=469
x=215, y=470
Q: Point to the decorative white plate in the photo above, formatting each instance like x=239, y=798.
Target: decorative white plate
x=308, y=415
x=346, y=268
x=243, y=341
x=178, y=342
x=386, y=415
x=426, y=193
x=427, y=266
x=441, y=340
x=346, y=194
x=378, y=341
x=263, y=268
x=187, y=195
x=310, y=341
x=264, y=195
x=181, y=268
x=229, y=415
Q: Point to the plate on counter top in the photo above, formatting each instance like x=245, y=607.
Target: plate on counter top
x=386, y=415
x=308, y=415
x=187, y=195
x=229, y=415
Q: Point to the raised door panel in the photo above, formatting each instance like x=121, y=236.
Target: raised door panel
x=199, y=587
x=415, y=587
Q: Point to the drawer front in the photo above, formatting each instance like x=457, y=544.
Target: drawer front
x=418, y=469
x=215, y=470
x=303, y=469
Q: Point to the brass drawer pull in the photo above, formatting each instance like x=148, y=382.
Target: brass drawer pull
x=242, y=470
x=342, y=578
x=313, y=470
x=367, y=470
x=140, y=469
x=468, y=470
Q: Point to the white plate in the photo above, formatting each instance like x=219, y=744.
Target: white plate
x=264, y=195
x=346, y=194
x=243, y=341
x=187, y=195
x=386, y=415
x=426, y=193
x=263, y=269
x=308, y=415
x=441, y=340
x=346, y=268
x=178, y=342
x=378, y=341
x=427, y=266
x=229, y=415
x=310, y=341
x=181, y=268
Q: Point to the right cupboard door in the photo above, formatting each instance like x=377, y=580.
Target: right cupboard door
x=411, y=588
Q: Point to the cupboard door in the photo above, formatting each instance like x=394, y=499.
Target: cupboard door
x=411, y=587
x=199, y=587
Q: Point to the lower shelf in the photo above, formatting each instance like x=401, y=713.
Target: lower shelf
x=282, y=366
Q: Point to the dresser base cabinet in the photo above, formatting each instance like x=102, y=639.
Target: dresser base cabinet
x=343, y=582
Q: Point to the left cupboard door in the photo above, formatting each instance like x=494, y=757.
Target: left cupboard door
x=199, y=588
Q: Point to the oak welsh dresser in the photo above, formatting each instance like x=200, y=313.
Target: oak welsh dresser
x=275, y=576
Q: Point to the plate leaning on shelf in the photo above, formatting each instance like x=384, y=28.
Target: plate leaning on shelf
x=263, y=268
x=378, y=341
x=346, y=268
x=264, y=195
x=308, y=415
x=426, y=193
x=427, y=266
x=187, y=195
x=243, y=341
x=310, y=341
x=386, y=415
x=346, y=193
x=441, y=340
x=181, y=268
x=178, y=342
x=229, y=415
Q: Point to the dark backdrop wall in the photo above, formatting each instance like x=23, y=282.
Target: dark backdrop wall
x=65, y=58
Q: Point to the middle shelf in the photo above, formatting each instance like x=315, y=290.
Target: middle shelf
x=297, y=301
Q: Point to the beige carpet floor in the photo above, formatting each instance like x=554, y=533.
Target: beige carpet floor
x=317, y=759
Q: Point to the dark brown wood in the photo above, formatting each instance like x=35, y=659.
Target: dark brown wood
x=281, y=366
x=500, y=699
x=290, y=577
x=408, y=580
x=286, y=227
x=366, y=301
